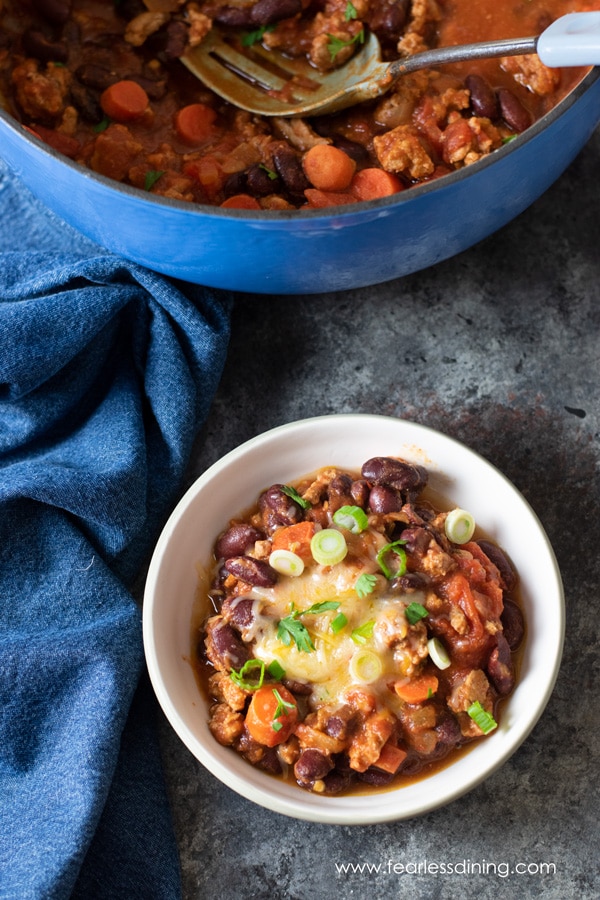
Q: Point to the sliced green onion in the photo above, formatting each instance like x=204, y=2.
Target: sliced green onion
x=365, y=666
x=353, y=518
x=482, y=718
x=241, y=676
x=328, y=547
x=339, y=623
x=397, y=548
x=414, y=612
x=361, y=634
x=459, y=526
x=438, y=653
x=286, y=563
x=276, y=670
x=365, y=584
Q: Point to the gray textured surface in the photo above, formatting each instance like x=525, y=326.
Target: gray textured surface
x=498, y=348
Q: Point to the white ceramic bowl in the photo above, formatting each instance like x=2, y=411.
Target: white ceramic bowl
x=282, y=455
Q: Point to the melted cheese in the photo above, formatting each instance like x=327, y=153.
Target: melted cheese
x=328, y=667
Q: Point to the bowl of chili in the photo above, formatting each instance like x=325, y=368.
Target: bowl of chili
x=102, y=122
x=177, y=599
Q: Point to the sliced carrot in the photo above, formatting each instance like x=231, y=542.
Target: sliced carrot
x=322, y=199
x=240, y=201
x=194, y=123
x=391, y=758
x=417, y=690
x=328, y=168
x=124, y=101
x=272, y=715
x=371, y=184
x=296, y=538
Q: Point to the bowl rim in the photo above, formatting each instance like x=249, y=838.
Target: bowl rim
x=266, y=790
x=341, y=211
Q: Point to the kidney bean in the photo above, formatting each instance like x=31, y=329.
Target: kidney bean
x=483, y=97
x=448, y=731
x=339, y=725
x=269, y=761
x=93, y=76
x=289, y=168
x=394, y=472
x=259, y=182
x=56, y=11
x=353, y=149
x=513, y=623
x=176, y=39
x=513, y=112
x=311, y=766
x=389, y=21
x=412, y=581
x=86, y=103
x=337, y=781
x=500, y=667
x=265, y=12
x=500, y=560
x=376, y=777
x=236, y=540
x=384, y=499
x=417, y=539
x=360, y=493
x=236, y=183
x=41, y=47
x=224, y=647
x=232, y=17
x=277, y=508
x=252, y=571
x=238, y=612
x=297, y=687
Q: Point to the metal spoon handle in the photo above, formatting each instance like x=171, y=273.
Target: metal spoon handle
x=442, y=55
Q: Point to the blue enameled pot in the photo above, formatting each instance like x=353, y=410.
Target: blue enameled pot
x=313, y=251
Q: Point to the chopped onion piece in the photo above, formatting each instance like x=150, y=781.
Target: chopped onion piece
x=438, y=653
x=365, y=666
x=328, y=547
x=286, y=563
x=459, y=526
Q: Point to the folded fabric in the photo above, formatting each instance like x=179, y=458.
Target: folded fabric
x=107, y=372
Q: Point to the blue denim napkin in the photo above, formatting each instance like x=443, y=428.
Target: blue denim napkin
x=107, y=372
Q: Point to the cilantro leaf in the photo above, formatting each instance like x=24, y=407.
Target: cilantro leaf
x=291, y=629
x=365, y=584
x=335, y=44
x=293, y=494
x=254, y=37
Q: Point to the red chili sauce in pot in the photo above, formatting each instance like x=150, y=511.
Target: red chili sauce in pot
x=103, y=84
